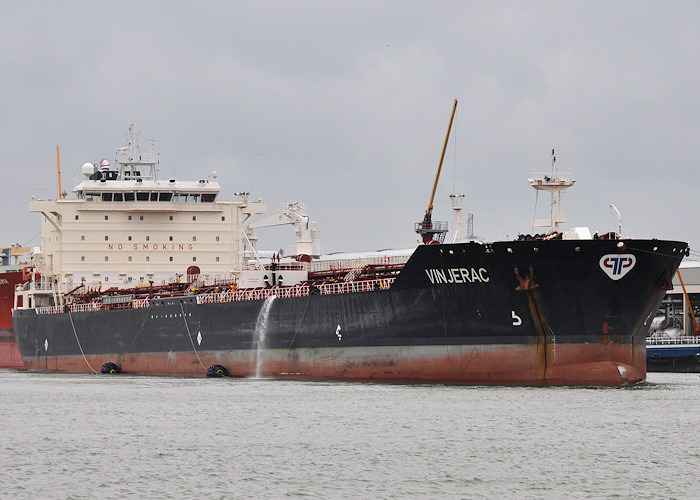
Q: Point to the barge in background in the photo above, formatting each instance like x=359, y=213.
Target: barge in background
x=673, y=344
x=158, y=277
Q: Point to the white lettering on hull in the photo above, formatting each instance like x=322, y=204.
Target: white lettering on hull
x=458, y=275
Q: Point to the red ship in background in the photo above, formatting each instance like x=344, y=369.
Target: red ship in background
x=15, y=269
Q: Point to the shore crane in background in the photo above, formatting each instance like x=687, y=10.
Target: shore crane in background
x=434, y=232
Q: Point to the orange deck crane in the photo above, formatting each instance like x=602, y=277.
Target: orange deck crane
x=434, y=232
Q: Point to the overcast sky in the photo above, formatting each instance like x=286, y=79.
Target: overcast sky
x=344, y=106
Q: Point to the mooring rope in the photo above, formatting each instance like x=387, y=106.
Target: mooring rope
x=70, y=316
x=184, y=318
x=148, y=311
x=294, y=337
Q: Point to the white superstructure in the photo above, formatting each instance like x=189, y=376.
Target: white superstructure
x=125, y=226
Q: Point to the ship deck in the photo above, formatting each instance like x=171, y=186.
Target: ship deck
x=228, y=294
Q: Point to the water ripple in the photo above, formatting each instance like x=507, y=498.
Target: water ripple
x=84, y=436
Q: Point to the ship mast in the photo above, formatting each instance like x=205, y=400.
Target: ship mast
x=435, y=231
x=554, y=183
x=61, y=193
x=132, y=163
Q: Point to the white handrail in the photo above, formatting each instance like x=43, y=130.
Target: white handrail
x=673, y=341
x=240, y=295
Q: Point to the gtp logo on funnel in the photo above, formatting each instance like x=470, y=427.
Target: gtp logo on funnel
x=617, y=265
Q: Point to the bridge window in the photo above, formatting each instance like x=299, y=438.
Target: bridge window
x=140, y=196
x=128, y=196
x=208, y=197
x=165, y=196
x=106, y=196
x=118, y=197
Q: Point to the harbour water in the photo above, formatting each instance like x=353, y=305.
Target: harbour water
x=91, y=436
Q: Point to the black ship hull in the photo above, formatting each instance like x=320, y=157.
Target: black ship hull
x=558, y=312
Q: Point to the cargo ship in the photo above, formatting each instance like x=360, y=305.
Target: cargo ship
x=15, y=269
x=161, y=277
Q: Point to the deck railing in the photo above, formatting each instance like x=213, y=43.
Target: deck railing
x=295, y=291
x=241, y=295
x=673, y=341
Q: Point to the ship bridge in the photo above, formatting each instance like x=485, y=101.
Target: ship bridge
x=173, y=191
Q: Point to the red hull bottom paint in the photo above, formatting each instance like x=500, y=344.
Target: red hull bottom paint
x=568, y=364
x=9, y=354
